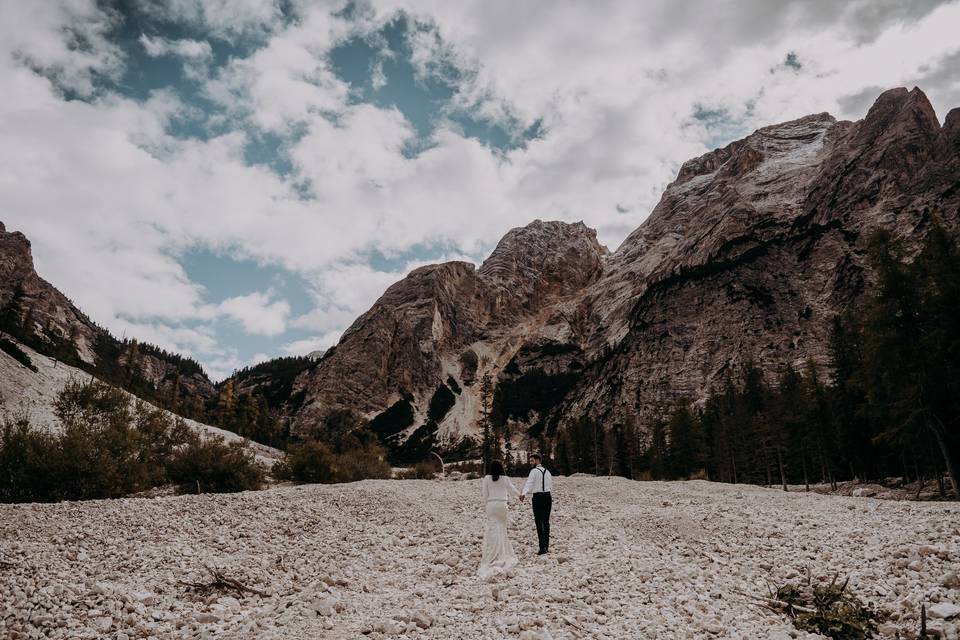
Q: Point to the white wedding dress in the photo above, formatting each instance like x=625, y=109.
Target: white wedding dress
x=497, y=553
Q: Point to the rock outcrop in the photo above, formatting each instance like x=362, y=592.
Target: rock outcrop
x=422, y=347
x=750, y=253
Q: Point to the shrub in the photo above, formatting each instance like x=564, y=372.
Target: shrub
x=314, y=462
x=212, y=465
x=829, y=610
x=97, y=454
x=364, y=463
x=281, y=470
x=466, y=466
x=425, y=470
x=108, y=448
x=310, y=462
x=26, y=463
x=17, y=353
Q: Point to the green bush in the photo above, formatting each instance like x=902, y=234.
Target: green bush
x=26, y=464
x=363, y=463
x=17, y=353
x=425, y=470
x=310, y=462
x=213, y=466
x=109, y=448
x=314, y=462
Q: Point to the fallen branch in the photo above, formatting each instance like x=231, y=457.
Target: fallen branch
x=826, y=608
x=220, y=582
x=777, y=605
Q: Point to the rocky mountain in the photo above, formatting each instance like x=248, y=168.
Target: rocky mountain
x=749, y=255
x=36, y=314
x=412, y=362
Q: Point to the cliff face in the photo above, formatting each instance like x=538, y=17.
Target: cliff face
x=751, y=258
x=424, y=345
x=750, y=253
x=36, y=313
x=33, y=305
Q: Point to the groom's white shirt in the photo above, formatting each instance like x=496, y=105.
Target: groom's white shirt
x=538, y=480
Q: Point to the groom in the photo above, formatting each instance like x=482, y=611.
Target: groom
x=539, y=483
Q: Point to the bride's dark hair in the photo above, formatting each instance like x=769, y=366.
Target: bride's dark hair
x=495, y=469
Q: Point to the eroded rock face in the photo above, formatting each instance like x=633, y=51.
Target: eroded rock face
x=40, y=309
x=748, y=256
x=451, y=322
x=751, y=260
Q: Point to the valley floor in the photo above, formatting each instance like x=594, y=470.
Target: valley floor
x=398, y=559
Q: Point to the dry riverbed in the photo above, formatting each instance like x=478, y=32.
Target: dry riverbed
x=398, y=559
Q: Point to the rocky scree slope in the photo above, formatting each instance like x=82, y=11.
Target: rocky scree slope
x=398, y=559
x=750, y=253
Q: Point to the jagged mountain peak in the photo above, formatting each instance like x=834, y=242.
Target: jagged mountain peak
x=540, y=263
x=537, y=247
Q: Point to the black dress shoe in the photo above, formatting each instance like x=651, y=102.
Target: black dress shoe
x=541, y=552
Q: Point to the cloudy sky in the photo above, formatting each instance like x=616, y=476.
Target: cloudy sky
x=239, y=179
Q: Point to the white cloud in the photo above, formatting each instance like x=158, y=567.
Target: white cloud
x=66, y=41
x=110, y=199
x=225, y=19
x=184, y=48
x=287, y=81
x=309, y=345
x=258, y=312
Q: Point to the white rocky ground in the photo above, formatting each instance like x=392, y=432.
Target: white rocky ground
x=398, y=559
x=25, y=393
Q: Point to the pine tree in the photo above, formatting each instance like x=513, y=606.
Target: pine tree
x=657, y=452
x=912, y=348
x=487, y=444
x=12, y=311
x=226, y=405
x=685, y=449
x=131, y=363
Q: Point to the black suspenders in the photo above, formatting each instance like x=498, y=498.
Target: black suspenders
x=543, y=479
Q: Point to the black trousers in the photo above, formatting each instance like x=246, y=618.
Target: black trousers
x=542, y=503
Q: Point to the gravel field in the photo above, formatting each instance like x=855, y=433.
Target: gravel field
x=398, y=559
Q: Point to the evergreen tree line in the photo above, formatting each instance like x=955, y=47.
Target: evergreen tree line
x=890, y=406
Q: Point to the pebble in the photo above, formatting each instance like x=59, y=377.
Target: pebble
x=944, y=610
x=389, y=559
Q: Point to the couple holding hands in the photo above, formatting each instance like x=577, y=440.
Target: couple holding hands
x=498, y=554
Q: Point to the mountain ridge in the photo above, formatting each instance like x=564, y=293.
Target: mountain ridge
x=771, y=227
x=749, y=254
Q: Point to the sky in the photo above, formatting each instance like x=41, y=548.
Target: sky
x=237, y=180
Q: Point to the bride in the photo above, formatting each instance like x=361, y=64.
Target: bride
x=497, y=553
